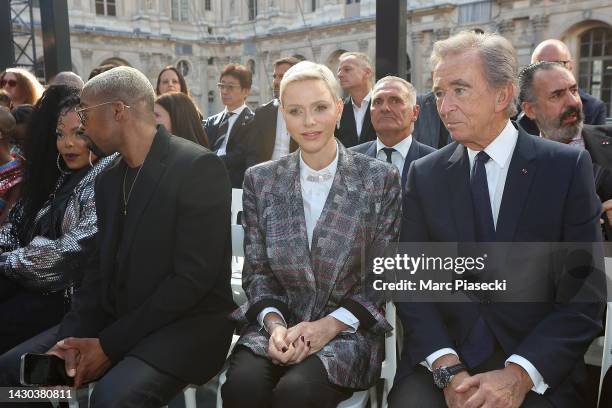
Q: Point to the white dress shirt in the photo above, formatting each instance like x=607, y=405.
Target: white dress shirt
x=500, y=150
x=282, y=140
x=398, y=157
x=314, y=195
x=230, y=124
x=360, y=111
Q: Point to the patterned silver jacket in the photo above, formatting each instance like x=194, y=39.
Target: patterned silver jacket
x=47, y=265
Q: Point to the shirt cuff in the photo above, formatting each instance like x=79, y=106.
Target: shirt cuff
x=539, y=386
x=430, y=359
x=263, y=313
x=343, y=315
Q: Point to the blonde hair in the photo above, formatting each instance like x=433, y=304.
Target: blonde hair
x=499, y=62
x=308, y=70
x=29, y=88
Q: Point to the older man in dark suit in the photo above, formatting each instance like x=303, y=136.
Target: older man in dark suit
x=494, y=183
x=394, y=111
x=227, y=131
x=550, y=97
x=553, y=50
x=268, y=135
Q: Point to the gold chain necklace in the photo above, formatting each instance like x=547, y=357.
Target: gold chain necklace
x=129, y=194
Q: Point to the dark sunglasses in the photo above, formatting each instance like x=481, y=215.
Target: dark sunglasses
x=11, y=82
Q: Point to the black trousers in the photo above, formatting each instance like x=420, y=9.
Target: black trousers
x=130, y=383
x=255, y=382
x=418, y=389
x=25, y=314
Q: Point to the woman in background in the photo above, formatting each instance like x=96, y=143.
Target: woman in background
x=21, y=85
x=180, y=116
x=11, y=172
x=171, y=80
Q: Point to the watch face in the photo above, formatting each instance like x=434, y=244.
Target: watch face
x=442, y=377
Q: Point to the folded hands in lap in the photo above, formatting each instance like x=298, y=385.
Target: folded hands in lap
x=292, y=345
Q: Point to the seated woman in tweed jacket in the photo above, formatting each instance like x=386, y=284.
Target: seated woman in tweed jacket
x=311, y=335
x=49, y=233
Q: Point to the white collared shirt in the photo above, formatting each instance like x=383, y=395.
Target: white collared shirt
x=230, y=124
x=282, y=140
x=314, y=196
x=500, y=150
x=360, y=111
x=398, y=157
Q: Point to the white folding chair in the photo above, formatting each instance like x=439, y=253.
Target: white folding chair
x=606, y=360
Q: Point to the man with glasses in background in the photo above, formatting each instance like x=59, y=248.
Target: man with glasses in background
x=227, y=131
x=556, y=51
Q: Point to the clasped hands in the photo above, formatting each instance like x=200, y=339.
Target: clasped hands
x=84, y=357
x=505, y=388
x=288, y=346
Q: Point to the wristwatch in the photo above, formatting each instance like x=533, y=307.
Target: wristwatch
x=444, y=375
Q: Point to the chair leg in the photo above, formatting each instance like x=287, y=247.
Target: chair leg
x=190, y=397
x=374, y=396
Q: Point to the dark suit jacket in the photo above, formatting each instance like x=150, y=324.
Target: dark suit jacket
x=237, y=143
x=549, y=196
x=347, y=132
x=262, y=135
x=593, y=109
x=163, y=291
x=429, y=129
x=416, y=151
x=361, y=213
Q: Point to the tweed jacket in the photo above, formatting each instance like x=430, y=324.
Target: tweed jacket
x=50, y=265
x=363, y=208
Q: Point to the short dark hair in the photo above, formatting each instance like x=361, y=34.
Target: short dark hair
x=527, y=74
x=100, y=69
x=286, y=60
x=181, y=78
x=5, y=98
x=240, y=72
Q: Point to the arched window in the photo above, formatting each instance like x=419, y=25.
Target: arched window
x=595, y=69
x=183, y=67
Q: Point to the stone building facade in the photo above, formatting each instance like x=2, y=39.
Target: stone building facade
x=201, y=36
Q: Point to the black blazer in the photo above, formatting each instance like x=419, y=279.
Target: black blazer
x=237, y=143
x=347, y=132
x=163, y=291
x=416, y=151
x=549, y=196
x=262, y=135
x=593, y=109
x=428, y=128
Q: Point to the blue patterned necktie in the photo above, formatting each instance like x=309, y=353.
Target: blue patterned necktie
x=480, y=342
x=223, y=127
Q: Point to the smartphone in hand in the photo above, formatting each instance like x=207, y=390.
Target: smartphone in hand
x=43, y=370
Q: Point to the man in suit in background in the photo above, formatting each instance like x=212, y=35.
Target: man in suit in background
x=268, y=136
x=494, y=183
x=549, y=96
x=556, y=51
x=429, y=128
x=227, y=131
x=394, y=111
x=356, y=76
